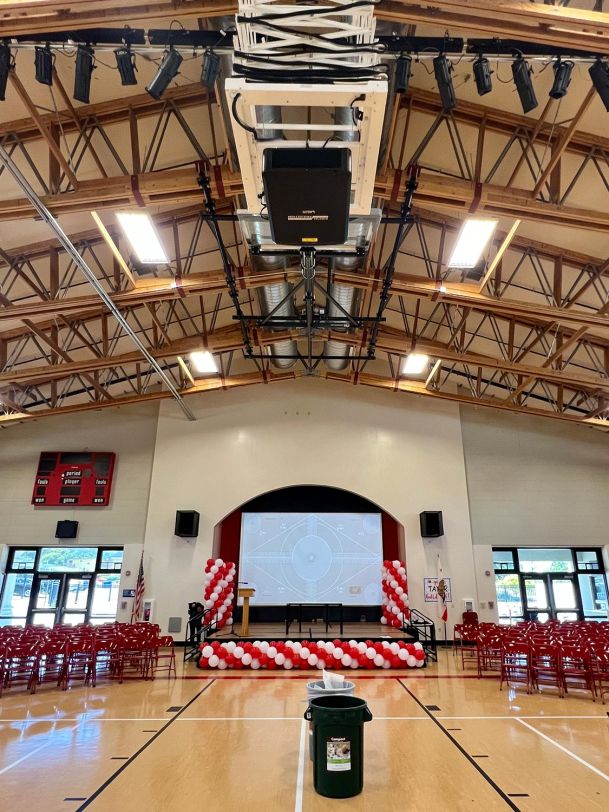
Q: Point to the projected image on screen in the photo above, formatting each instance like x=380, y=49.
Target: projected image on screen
x=312, y=557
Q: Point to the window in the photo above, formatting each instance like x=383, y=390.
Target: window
x=588, y=560
x=509, y=598
x=546, y=559
x=67, y=559
x=70, y=585
x=503, y=560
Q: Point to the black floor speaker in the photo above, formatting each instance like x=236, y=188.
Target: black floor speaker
x=432, y=526
x=187, y=524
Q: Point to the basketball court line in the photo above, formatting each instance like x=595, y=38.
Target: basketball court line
x=147, y=744
x=565, y=750
x=53, y=720
x=301, y=765
x=32, y=753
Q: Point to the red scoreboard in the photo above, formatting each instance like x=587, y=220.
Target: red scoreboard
x=74, y=479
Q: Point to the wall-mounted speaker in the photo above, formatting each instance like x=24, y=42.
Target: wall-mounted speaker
x=187, y=524
x=432, y=526
x=66, y=530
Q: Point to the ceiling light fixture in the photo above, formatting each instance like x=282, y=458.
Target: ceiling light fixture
x=562, y=78
x=82, y=74
x=599, y=73
x=204, y=362
x=482, y=75
x=415, y=363
x=43, y=63
x=141, y=233
x=471, y=242
x=125, y=62
x=442, y=70
x=168, y=70
x=524, y=84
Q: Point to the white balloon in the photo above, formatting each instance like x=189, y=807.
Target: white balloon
x=393, y=584
x=214, y=660
x=395, y=610
x=214, y=569
x=386, y=664
x=218, y=562
x=231, y=646
x=383, y=621
x=227, y=602
x=312, y=659
x=399, y=590
x=412, y=661
x=321, y=663
x=255, y=664
x=222, y=583
x=264, y=646
x=213, y=597
x=379, y=660
x=394, y=648
x=238, y=652
x=297, y=647
x=396, y=564
x=370, y=653
x=353, y=642
x=354, y=663
x=403, y=654
x=288, y=664
x=418, y=645
x=402, y=570
x=209, y=603
x=361, y=647
x=385, y=644
x=271, y=652
x=304, y=652
x=206, y=652
x=246, y=659
x=222, y=665
x=346, y=660
x=337, y=653
x=329, y=646
x=280, y=659
x=420, y=663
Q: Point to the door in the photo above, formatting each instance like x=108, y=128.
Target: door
x=46, y=599
x=536, y=597
x=564, y=597
x=75, y=599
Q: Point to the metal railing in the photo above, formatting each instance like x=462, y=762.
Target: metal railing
x=197, y=629
x=423, y=629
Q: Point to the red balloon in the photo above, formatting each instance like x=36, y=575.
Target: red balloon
x=204, y=662
x=395, y=662
x=419, y=654
x=272, y=665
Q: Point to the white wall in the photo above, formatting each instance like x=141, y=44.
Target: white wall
x=129, y=432
x=403, y=453
x=535, y=482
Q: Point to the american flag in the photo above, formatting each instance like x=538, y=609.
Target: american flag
x=140, y=588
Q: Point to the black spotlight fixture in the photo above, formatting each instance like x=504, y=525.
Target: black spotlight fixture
x=125, y=62
x=6, y=65
x=442, y=70
x=562, y=78
x=482, y=75
x=599, y=73
x=43, y=62
x=82, y=75
x=167, y=71
x=210, y=69
x=524, y=84
x=402, y=73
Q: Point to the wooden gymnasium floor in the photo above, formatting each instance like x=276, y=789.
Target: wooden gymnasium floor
x=222, y=742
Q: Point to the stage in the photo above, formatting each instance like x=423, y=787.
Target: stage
x=376, y=632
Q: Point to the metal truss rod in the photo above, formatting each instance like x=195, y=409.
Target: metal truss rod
x=70, y=249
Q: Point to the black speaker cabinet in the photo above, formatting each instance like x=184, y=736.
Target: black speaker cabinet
x=187, y=524
x=432, y=526
x=66, y=530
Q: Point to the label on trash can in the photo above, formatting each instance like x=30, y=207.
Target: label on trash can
x=338, y=754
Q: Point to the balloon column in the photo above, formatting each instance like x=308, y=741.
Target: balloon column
x=219, y=593
x=309, y=654
x=395, y=594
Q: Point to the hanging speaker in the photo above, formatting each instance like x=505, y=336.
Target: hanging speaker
x=187, y=524
x=431, y=524
x=66, y=530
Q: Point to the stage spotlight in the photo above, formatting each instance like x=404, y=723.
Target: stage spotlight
x=599, y=73
x=167, y=71
x=442, y=70
x=43, y=62
x=5, y=67
x=402, y=73
x=82, y=75
x=125, y=62
x=562, y=78
x=210, y=69
x=524, y=85
x=482, y=75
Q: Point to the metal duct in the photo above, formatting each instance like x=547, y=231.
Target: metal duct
x=345, y=295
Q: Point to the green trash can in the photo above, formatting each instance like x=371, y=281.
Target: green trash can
x=338, y=733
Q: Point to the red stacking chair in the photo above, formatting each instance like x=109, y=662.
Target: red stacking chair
x=516, y=664
x=164, y=653
x=21, y=664
x=575, y=669
x=80, y=660
x=599, y=665
x=52, y=661
x=134, y=654
x=490, y=647
x=545, y=666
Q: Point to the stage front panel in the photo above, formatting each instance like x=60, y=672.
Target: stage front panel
x=312, y=557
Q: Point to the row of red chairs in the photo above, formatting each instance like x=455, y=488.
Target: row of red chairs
x=33, y=655
x=574, y=654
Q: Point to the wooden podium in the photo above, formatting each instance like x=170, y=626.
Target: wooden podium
x=246, y=593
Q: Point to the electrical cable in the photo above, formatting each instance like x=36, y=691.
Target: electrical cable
x=308, y=13
x=241, y=123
